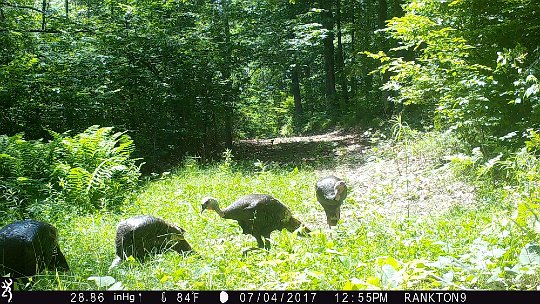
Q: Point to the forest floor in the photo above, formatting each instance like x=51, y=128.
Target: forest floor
x=412, y=180
x=409, y=222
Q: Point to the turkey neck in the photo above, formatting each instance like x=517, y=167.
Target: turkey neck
x=218, y=211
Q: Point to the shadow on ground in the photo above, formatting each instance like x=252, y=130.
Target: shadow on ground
x=318, y=151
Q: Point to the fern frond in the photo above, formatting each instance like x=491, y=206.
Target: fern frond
x=100, y=174
x=78, y=178
x=91, y=169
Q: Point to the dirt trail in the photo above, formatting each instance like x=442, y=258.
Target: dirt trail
x=319, y=151
x=400, y=185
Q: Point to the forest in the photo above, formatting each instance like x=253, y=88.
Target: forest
x=429, y=110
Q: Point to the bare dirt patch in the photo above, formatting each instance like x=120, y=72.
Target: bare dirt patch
x=393, y=184
x=318, y=151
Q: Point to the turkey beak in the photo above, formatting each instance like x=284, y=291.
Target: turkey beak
x=203, y=207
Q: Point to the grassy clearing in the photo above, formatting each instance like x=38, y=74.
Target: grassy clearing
x=460, y=246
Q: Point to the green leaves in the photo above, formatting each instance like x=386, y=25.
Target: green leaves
x=87, y=171
x=102, y=282
x=461, y=71
x=530, y=255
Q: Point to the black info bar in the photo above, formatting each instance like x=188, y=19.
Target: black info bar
x=240, y=297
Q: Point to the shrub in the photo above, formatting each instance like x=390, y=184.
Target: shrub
x=90, y=170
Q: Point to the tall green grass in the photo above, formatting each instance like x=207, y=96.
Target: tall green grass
x=464, y=247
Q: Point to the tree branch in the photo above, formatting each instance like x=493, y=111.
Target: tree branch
x=52, y=31
x=21, y=6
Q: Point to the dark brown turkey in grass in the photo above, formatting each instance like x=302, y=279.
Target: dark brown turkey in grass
x=258, y=215
x=331, y=191
x=28, y=247
x=142, y=235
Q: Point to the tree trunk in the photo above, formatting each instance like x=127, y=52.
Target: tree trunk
x=367, y=40
x=66, y=3
x=43, y=11
x=382, y=14
x=340, y=61
x=329, y=65
x=295, y=88
x=397, y=10
x=388, y=105
x=354, y=38
x=228, y=99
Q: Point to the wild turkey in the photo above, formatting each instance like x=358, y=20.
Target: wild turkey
x=27, y=247
x=331, y=191
x=141, y=235
x=258, y=215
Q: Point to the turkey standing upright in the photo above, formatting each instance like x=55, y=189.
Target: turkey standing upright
x=258, y=215
x=140, y=235
x=29, y=246
x=331, y=191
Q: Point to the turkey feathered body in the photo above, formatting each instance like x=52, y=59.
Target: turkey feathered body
x=140, y=235
x=326, y=196
x=29, y=246
x=260, y=214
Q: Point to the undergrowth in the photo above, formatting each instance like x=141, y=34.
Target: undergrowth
x=487, y=245
x=81, y=173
